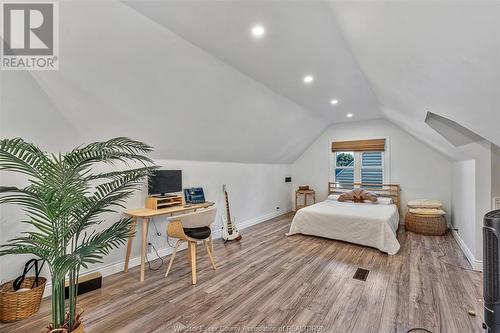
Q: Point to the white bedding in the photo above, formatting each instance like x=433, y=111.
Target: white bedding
x=368, y=224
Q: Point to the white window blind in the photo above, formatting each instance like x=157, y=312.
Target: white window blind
x=366, y=167
x=372, y=171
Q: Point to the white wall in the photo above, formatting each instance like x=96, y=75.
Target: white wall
x=421, y=171
x=463, y=212
x=255, y=192
x=495, y=171
x=474, y=184
x=480, y=153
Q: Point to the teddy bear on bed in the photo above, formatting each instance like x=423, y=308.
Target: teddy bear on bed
x=358, y=195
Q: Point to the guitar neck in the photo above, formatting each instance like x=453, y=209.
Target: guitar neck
x=228, y=213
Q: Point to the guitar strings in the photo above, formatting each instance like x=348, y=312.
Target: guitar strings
x=227, y=222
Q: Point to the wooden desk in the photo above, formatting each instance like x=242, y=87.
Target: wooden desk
x=145, y=214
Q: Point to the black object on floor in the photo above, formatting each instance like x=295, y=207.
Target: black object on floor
x=86, y=283
x=361, y=274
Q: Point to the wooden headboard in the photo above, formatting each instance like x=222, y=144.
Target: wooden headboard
x=384, y=190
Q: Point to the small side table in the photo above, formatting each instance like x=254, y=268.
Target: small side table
x=304, y=193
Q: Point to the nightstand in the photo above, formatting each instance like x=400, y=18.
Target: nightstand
x=304, y=193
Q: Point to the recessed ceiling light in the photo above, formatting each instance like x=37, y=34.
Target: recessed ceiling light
x=334, y=101
x=308, y=79
x=349, y=115
x=258, y=31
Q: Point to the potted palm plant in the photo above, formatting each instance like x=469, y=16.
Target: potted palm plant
x=64, y=202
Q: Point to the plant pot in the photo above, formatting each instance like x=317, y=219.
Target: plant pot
x=79, y=329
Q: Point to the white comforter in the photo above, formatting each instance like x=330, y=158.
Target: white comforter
x=368, y=224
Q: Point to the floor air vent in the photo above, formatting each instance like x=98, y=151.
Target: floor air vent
x=361, y=274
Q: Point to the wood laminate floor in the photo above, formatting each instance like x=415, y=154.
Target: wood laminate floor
x=268, y=281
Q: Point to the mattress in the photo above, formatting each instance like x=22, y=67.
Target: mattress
x=367, y=224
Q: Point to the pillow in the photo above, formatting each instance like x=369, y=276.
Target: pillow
x=427, y=211
x=385, y=201
x=358, y=195
x=425, y=203
x=369, y=196
x=333, y=197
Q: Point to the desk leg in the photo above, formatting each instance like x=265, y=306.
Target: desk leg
x=144, y=245
x=129, y=243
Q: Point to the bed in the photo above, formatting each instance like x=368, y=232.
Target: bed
x=367, y=224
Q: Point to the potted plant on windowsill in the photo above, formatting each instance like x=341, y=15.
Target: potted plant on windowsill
x=63, y=203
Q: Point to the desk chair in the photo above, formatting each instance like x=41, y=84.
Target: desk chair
x=192, y=228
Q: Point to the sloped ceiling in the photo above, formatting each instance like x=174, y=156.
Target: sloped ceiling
x=436, y=56
x=123, y=74
x=302, y=37
x=186, y=76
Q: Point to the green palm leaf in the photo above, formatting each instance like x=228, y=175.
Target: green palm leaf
x=20, y=156
x=66, y=197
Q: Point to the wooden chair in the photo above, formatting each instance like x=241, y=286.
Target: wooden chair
x=192, y=228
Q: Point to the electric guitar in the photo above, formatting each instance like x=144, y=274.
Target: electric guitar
x=229, y=231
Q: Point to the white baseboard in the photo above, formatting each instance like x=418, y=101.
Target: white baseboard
x=110, y=269
x=477, y=265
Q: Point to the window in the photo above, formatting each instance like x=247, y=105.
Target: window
x=344, y=167
x=359, y=167
x=359, y=161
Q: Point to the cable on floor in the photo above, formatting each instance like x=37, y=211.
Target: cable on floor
x=159, y=234
x=440, y=258
x=450, y=264
x=161, y=259
x=156, y=251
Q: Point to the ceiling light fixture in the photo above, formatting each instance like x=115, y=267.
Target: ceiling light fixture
x=334, y=101
x=258, y=31
x=349, y=115
x=308, y=79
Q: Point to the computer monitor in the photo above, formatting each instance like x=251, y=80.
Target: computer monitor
x=165, y=181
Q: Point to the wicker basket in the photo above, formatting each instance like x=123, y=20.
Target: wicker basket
x=19, y=305
x=433, y=225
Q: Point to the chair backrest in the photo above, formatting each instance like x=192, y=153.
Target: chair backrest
x=200, y=218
